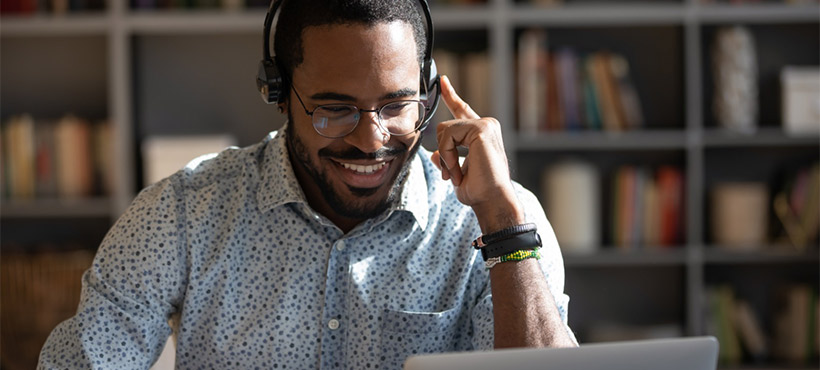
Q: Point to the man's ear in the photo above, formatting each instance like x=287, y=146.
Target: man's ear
x=283, y=107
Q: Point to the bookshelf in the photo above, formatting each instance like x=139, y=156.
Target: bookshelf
x=189, y=71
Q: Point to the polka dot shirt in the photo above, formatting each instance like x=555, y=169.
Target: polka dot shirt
x=258, y=280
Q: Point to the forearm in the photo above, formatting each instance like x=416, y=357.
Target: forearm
x=524, y=309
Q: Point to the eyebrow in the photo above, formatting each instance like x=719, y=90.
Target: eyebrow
x=401, y=93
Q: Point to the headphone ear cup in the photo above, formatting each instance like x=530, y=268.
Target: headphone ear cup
x=433, y=89
x=269, y=81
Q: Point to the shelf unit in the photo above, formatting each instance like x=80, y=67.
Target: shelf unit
x=154, y=60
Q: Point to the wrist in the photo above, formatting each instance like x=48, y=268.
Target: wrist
x=499, y=214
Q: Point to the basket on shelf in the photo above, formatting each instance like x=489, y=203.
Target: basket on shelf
x=37, y=292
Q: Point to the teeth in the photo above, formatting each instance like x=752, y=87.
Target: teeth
x=364, y=169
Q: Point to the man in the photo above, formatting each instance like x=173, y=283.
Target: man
x=319, y=248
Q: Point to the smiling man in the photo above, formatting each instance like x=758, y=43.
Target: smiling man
x=336, y=242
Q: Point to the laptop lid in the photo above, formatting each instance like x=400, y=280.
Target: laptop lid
x=695, y=353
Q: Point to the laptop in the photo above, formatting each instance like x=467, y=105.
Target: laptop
x=694, y=353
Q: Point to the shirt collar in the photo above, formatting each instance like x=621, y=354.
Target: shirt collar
x=279, y=184
x=413, y=198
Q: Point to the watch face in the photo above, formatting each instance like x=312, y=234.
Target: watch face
x=538, y=239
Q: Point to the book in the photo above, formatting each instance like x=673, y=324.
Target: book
x=46, y=160
x=592, y=113
x=447, y=63
x=792, y=330
x=73, y=145
x=627, y=97
x=232, y=4
x=670, y=198
x=530, y=77
x=476, y=91
x=103, y=153
x=572, y=193
x=566, y=62
x=555, y=110
x=604, y=91
x=19, y=140
x=624, y=207
x=749, y=330
x=721, y=303
x=651, y=215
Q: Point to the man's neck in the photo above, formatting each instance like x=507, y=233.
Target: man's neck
x=316, y=201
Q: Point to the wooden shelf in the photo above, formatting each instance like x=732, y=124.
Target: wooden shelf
x=757, y=13
x=55, y=208
x=603, y=14
x=201, y=21
x=765, y=137
x=597, y=140
x=611, y=256
x=761, y=255
x=55, y=25
x=462, y=17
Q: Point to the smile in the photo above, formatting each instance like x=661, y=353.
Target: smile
x=364, y=169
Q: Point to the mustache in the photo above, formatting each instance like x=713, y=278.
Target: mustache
x=354, y=153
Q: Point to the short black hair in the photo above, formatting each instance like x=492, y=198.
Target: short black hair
x=297, y=15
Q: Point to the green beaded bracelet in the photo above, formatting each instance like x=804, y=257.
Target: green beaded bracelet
x=518, y=255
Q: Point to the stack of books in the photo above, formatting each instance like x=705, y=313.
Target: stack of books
x=49, y=6
x=67, y=158
x=198, y=4
x=743, y=337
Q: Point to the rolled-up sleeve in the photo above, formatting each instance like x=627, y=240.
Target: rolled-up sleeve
x=136, y=282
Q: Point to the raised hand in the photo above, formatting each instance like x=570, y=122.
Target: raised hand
x=482, y=181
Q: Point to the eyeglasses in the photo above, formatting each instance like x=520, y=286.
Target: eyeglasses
x=398, y=118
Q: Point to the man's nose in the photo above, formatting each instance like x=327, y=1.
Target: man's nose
x=368, y=135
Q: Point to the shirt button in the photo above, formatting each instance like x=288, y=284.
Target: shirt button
x=340, y=245
x=333, y=324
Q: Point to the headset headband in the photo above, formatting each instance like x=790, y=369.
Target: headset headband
x=269, y=80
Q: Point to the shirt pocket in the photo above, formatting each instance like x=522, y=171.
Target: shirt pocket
x=406, y=333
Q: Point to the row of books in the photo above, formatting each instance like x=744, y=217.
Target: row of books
x=66, y=158
x=647, y=206
x=793, y=339
x=49, y=6
x=562, y=90
x=468, y=73
x=198, y=4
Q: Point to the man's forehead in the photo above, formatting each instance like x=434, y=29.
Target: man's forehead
x=345, y=54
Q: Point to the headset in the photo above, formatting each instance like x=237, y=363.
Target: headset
x=270, y=84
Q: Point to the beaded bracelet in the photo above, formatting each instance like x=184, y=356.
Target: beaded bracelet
x=518, y=255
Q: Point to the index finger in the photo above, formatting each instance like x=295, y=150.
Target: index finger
x=459, y=108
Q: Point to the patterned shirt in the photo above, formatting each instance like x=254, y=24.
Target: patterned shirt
x=259, y=280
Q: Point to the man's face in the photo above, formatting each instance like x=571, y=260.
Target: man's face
x=357, y=176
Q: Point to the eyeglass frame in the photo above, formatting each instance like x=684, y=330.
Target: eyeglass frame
x=377, y=111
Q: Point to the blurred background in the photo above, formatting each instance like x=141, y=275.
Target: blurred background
x=674, y=145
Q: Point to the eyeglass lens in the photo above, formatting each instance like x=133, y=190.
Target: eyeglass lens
x=398, y=118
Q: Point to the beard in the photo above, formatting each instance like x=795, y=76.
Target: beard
x=352, y=208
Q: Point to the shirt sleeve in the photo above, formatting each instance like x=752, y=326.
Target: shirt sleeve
x=135, y=283
x=552, y=264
